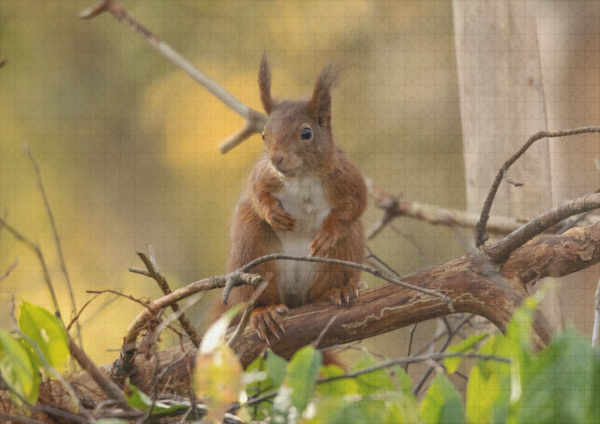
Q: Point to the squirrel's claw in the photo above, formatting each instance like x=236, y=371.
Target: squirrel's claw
x=322, y=244
x=280, y=220
x=268, y=319
x=343, y=295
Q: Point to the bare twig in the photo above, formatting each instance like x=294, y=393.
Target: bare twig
x=487, y=206
x=413, y=360
x=365, y=268
x=10, y=269
x=76, y=317
x=510, y=180
x=203, y=285
x=154, y=273
x=84, y=361
x=249, y=308
x=442, y=350
x=3, y=62
x=255, y=121
x=395, y=206
x=500, y=251
x=325, y=329
x=410, y=341
x=376, y=261
x=596, y=329
x=40, y=255
x=63, y=264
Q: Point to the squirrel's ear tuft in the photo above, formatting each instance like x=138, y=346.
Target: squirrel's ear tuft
x=264, y=84
x=320, y=103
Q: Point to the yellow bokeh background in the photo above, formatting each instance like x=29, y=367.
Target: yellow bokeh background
x=128, y=144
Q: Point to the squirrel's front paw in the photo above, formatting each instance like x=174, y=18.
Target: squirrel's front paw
x=279, y=219
x=343, y=295
x=268, y=318
x=322, y=244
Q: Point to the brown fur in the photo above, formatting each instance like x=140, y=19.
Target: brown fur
x=259, y=216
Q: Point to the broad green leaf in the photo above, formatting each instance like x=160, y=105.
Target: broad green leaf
x=462, y=347
x=519, y=337
x=276, y=368
x=301, y=375
x=18, y=370
x=374, y=381
x=404, y=411
x=442, y=403
x=48, y=332
x=138, y=399
x=346, y=386
x=488, y=388
x=559, y=383
x=217, y=377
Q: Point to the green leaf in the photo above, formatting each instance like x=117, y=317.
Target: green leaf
x=462, y=347
x=346, y=386
x=138, y=399
x=442, y=403
x=18, y=369
x=48, y=331
x=375, y=381
x=560, y=381
x=301, y=375
x=488, y=388
x=276, y=368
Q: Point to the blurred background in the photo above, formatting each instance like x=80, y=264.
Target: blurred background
x=128, y=144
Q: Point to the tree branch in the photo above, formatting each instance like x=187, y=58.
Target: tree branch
x=487, y=206
x=255, y=121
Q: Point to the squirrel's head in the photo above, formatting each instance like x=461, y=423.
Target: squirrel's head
x=298, y=135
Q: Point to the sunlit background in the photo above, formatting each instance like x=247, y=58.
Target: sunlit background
x=128, y=144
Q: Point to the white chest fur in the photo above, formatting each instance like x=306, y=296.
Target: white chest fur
x=303, y=198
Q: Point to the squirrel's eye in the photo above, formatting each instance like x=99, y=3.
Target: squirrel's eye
x=306, y=134
x=263, y=134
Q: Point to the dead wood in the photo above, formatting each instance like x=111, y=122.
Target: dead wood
x=474, y=284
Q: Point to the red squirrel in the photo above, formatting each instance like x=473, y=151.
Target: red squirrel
x=303, y=197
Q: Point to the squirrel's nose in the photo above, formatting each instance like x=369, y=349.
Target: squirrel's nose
x=277, y=158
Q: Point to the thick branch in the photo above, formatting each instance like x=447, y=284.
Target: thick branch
x=499, y=252
x=473, y=283
x=395, y=206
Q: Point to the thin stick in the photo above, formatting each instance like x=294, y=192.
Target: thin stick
x=63, y=264
x=255, y=121
x=410, y=342
x=442, y=350
x=154, y=273
x=10, y=269
x=249, y=308
x=487, y=206
x=365, y=268
x=413, y=360
x=40, y=256
x=596, y=329
x=325, y=329
x=76, y=317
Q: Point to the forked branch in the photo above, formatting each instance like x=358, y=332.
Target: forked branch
x=487, y=206
x=255, y=121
